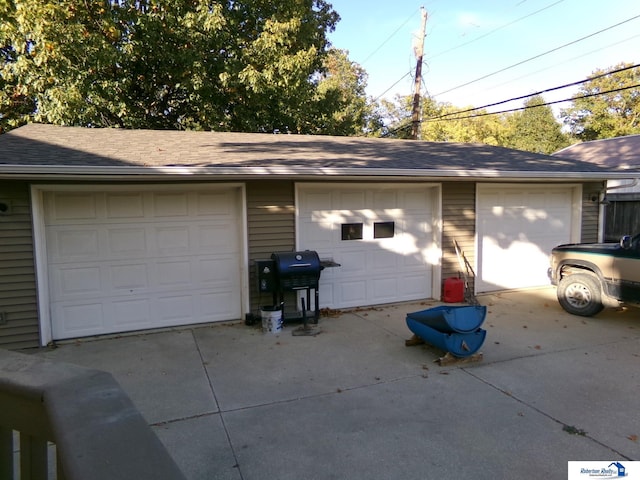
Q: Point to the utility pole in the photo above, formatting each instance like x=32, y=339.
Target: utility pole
x=418, y=50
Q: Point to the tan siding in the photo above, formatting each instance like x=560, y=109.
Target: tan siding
x=17, y=273
x=459, y=224
x=590, y=211
x=271, y=227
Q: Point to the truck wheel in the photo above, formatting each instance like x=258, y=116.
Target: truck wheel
x=580, y=294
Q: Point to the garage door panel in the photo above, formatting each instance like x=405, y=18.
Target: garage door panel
x=515, y=199
x=71, y=206
x=79, y=281
x=172, y=240
x=220, y=237
x=215, y=204
x=322, y=237
x=129, y=314
x=84, y=318
x=73, y=244
x=518, y=226
x=131, y=241
x=124, y=206
x=385, y=199
x=353, y=292
x=385, y=288
x=218, y=270
x=530, y=275
x=172, y=308
x=167, y=205
x=371, y=268
x=317, y=201
x=412, y=262
x=136, y=272
x=416, y=201
x=352, y=261
x=352, y=200
x=383, y=260
x=414, y=286
x=326, y=292
x=216, y=305
x=128, y=276
x=175, y=274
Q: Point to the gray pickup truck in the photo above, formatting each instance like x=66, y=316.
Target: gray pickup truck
x=590, y=276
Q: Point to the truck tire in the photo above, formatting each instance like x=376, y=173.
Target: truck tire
x=580, y=294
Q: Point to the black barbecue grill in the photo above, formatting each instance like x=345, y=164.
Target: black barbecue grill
x=292, y=272
x=297, y=271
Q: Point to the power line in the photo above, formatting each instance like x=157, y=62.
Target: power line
x=538, y=56
x=408, y=124
x=381, y=45
x=519, y=63
x=534, y=106
x=397, y=82
x=564, y=62
x=493, y=31
x=453, y=48
x=388, y=38
x=552, y=89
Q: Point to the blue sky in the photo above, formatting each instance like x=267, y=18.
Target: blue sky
x=469, y=39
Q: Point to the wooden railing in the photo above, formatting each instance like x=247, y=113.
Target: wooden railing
x=71, y=423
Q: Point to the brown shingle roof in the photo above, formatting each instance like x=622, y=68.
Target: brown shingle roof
x=618, y=152
x=52, y=147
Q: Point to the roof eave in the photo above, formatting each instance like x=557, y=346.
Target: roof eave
x=191, y=173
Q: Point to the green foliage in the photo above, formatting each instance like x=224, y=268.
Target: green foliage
x=396, y=116
x=440, y=124
x=606, y=115
x=249, y=65
x=342, y=107
x=534, y=129
x=478, y=129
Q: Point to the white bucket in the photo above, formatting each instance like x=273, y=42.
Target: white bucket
x=271, y=319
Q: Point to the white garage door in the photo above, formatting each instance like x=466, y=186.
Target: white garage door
x=129, y=260
x=517, y=227
x=383, y=237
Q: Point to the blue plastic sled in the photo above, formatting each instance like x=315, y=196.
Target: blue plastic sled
x=452, y=319
x=458, y=344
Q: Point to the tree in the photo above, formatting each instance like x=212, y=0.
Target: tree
x=396, y=116
x=341, y=102
x=246, y=65
x=534, y=129
x=439, y=124
x=612, y=108
x=467, y=127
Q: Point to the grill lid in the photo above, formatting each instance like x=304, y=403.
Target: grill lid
x=297, y=270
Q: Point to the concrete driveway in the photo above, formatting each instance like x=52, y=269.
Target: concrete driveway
x=230, y=402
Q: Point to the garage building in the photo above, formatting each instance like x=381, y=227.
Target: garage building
x=108, y=230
